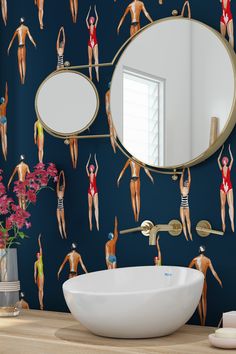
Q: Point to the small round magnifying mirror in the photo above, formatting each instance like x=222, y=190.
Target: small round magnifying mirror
x=66, y=103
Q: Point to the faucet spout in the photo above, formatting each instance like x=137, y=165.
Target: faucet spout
x=155, y=230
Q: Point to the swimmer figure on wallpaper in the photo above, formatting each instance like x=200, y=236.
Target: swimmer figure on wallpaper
x=21, y=169
x=226, y=187
x=39, y=139
x=92, y=23
x=134, y=185
x=184, y=205
x=74, y=151
x=92, y=172
x=109, y=118
x=74, y=5
x=60, y=46
x=158, y=259
x=134, y=8
x=226, y=21
x=21, y=32
x=74, y=259
x=110, y=247
x=4, y=11
x=202, y=263
x=61, y=185
x=39, y=274
x=186, y=5
x=3, y=121
x=40, y=5
x=22, y=304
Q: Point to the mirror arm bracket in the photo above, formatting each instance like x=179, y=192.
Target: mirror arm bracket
x=96, y=136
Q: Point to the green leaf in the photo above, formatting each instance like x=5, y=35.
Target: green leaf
x=11, y=238
x=21, y=234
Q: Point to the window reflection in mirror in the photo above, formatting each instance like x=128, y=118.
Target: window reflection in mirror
x=143, y=109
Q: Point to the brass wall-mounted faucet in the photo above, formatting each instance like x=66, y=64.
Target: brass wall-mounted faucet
x=204, y=229
x=150, y=230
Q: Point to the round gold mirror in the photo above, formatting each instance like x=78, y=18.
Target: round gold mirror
x=173, y=93
x=66, y=103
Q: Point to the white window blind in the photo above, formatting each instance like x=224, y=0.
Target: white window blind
x=143, y=111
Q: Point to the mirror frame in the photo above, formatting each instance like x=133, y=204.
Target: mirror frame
x=164, y=170
x=48, y=129
x=230, y=123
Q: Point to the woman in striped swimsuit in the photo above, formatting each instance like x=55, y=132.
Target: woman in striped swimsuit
x=60, y=204
x=60, y=48
x=184, y=206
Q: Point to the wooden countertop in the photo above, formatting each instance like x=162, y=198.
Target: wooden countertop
x=42, y=332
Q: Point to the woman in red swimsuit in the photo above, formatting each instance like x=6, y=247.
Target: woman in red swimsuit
x=92, y=43
x=226, y=188
x=92, y=192
x=226, y=21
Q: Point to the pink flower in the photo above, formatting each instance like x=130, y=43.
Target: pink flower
x=14, y=207
x=30, y=175
x=39, y=166
x=44, y=181
x=27, y=224
x=19, y=188
x=51, y=170
x=17, y=219
x=35, y=186
x=31, y=196
x=4, y=204
x=2, y=189
x=15, y=216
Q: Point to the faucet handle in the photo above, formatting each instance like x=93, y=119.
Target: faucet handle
x=204, y=229
x=145, y=228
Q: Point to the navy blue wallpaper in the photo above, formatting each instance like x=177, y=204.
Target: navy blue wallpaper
x=159, y=202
